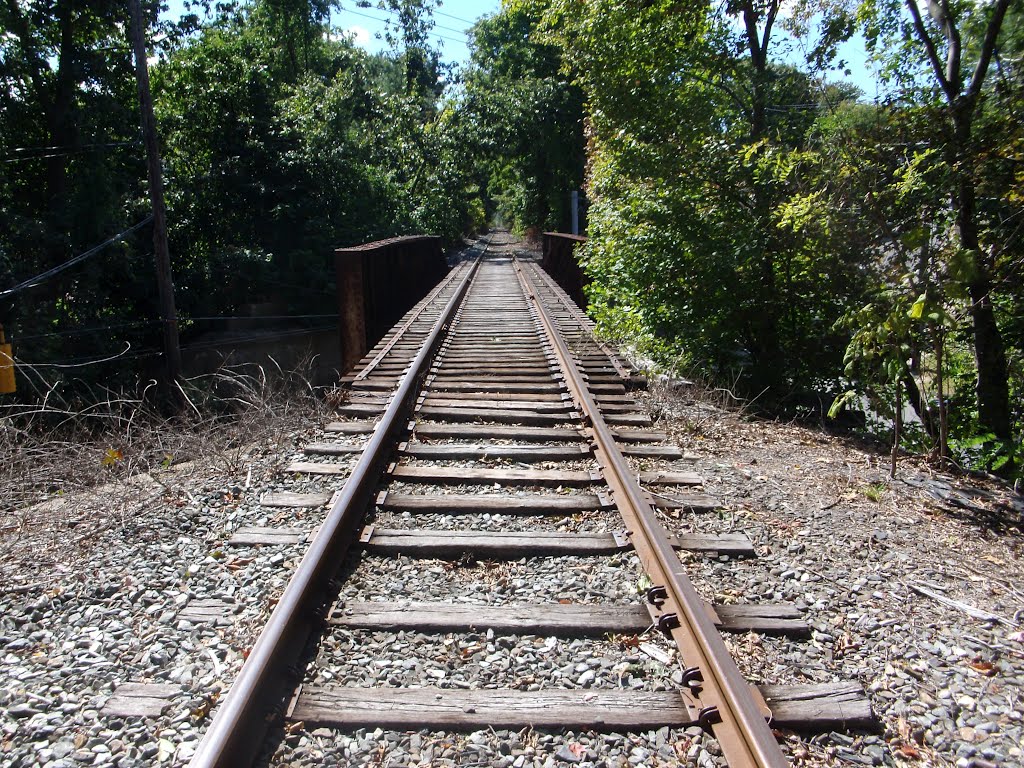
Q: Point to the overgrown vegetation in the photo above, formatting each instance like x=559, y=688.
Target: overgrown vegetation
x=281, y=140
x=754, y=215
x=57, y=446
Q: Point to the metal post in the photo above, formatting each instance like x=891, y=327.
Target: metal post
x=351, y=306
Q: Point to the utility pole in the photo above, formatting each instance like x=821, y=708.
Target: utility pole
x=161, y=254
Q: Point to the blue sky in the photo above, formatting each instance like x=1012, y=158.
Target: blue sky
x=452, y=20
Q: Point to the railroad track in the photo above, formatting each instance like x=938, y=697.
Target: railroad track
x=493, y=438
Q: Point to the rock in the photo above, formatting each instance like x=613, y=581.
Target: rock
x=586, y=679
x=566, y=754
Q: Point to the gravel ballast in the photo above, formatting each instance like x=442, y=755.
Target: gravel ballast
x=910, y=586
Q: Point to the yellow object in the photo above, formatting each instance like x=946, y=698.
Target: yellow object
x=6, y=366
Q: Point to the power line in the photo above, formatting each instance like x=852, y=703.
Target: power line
x=457, y=18
x=81, y=362
x=141, y=324
x=391, y=12
x=91, y=145
x=258, y=317
x=27, y=154
x=227, y=342
x=74, y=362
x=84, y=331
x=377, y=18
x=33, y=281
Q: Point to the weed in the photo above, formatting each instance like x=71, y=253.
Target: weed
x=874, y=491
x=53, y=445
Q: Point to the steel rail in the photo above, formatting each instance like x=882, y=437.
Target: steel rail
x=398, y=334
x=726, y=701
x=239, y=727
x=582, y=319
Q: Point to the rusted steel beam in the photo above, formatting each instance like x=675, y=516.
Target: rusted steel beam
x=585, y=324
x=377, y=283
x=351, y=307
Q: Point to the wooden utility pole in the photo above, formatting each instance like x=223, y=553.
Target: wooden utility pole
x=161, y=254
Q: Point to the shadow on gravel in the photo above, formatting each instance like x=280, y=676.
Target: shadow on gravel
x=999, y=512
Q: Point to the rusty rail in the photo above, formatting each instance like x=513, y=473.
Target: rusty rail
x=238, y=729
x=400, y=332
x=717, y=695
x=584, y=323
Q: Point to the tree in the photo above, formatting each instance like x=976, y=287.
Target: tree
x=72, y=164
x=526, y=117
x=938, y=60
x=691, y=127
x=959, y=70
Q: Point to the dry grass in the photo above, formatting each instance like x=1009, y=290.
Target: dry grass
x=55, y=446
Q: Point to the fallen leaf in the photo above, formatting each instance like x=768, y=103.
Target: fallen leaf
x=682, y=747
x=910, y=751
x=111, y=457
x=201, y=711
x=984, y=667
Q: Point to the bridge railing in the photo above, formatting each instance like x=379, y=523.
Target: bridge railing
x=379, y=282
x=559, y=261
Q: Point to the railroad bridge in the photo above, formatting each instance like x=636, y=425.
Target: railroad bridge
x=488, y=425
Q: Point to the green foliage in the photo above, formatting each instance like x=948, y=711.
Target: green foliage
x=279, y=143
x=525, y=118
x=72, y=164
x=693, y=231
x=293, y=155
x=749, y=216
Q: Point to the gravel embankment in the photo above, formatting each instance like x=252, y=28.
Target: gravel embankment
x=852, y=548
x=94, y=584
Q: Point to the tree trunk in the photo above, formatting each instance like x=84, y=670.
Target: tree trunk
x=940, y=396
x=897, y=422
x=989, y=352
x=767, y=350
x=62, y=133
x=928, y=418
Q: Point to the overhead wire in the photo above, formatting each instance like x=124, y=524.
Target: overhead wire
x=83, y=331
x=33, y=281
x=457, y=18
x=259, y=317
x=435, y=25
x=256, y=337
x=80, y=362
x=24, y=154
x=377, y=18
